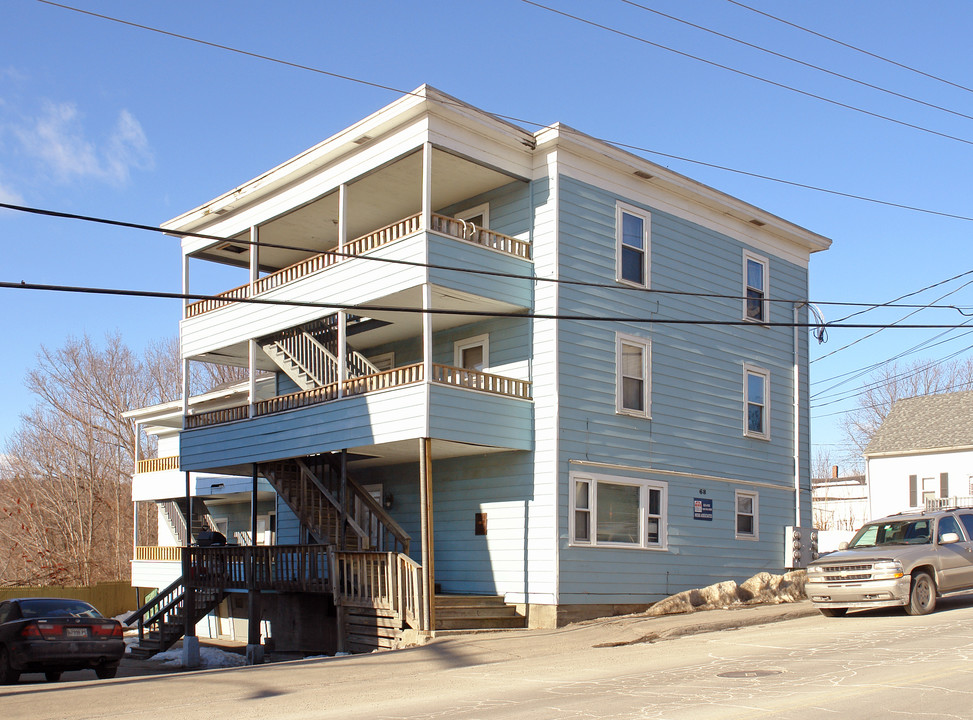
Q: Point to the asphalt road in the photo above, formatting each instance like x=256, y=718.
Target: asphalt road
x=800, y=665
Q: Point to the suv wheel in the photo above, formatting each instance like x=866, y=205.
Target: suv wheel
x=922, y=599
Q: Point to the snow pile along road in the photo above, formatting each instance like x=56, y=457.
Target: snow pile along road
x=763, y=588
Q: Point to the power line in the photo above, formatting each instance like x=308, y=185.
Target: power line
x=365, y=308
x=837, y=397
x=737, y=71
x=473, y=271
x=924, y=345
x=907, y=315
x=853, y=47
x=515, y=119
x=812, y=66
x=962, y=384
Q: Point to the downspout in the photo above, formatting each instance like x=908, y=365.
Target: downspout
x=797, y=419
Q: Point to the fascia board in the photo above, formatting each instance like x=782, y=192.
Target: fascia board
x=312, y=184
x=378, y=123
x=423, y=101
x=712, y=207
x=914, y=453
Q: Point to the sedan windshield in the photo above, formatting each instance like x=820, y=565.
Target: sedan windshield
x=895, y=532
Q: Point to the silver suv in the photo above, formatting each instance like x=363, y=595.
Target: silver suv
x=907, y=559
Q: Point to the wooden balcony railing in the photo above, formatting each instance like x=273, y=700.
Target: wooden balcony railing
x=396, y=377
x=285, y=568
x=387, y=580
x=217, y=417
x=463, y=230
x=474, y=380
x=157, y=464
x=161, y=552
x=459, y=229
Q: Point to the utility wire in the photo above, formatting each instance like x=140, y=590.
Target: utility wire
x=728, y=68
x=511, y=118
x=905, y=373
x=365, y=308
x=907, y=315
x=812, y=66
x=964, y=383
x=924, y=345
x=852, y=47
x=963, y=310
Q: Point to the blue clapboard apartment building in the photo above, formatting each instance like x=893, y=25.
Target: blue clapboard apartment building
x=525, y=377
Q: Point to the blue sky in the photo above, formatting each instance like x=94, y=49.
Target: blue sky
x=109, y=120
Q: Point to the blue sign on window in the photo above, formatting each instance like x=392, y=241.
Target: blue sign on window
x=702, y=509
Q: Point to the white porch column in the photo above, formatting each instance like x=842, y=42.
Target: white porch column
x=185, y=390
x=342, y=351
x=342, y=216
x=254, y=256
x=426, y=185
x=252, y=363
x=185, y=283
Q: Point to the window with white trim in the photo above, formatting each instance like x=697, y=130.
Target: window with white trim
x=632, y=375
x=747, y=515
x=472, y=353
x=625, y=512
x=755, y=282
x=478, y=215
x=756, y=402
x=632, y=233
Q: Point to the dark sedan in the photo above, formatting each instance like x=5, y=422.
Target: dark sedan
x=54, y=635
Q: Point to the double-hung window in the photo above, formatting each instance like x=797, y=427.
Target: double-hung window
x=472, y=353
x=609, y=511
x=756, y=390
x=632, y=374
x=632, y=232
x=755, y=281
x=747, y=515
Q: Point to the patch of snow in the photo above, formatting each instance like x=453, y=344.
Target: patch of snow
x=762, y=588
x=209, y=657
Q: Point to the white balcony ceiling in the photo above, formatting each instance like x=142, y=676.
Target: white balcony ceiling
x=375, y=200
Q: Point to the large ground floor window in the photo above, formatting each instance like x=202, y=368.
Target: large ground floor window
x=614, y=511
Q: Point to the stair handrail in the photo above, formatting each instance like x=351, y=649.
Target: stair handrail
x=159, y=600
x=177, y=521
x=366, y=498
x=400, y=535
x=331, y=498
x=296, y=345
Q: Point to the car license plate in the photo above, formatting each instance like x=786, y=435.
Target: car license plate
x=78, y=632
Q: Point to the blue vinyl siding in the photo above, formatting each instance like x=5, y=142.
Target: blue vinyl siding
x=498, y=484
x=697, y=410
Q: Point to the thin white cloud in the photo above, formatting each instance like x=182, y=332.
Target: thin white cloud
x=58, y=138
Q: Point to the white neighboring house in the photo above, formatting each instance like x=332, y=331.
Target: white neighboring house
x=922, y=451
x=839, y=506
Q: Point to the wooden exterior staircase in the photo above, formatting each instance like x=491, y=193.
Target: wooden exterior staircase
x=308, y=354
x=161, y=621
x=377, y=586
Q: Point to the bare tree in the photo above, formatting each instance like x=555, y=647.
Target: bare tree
x=65, y=488
x=896, y=382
